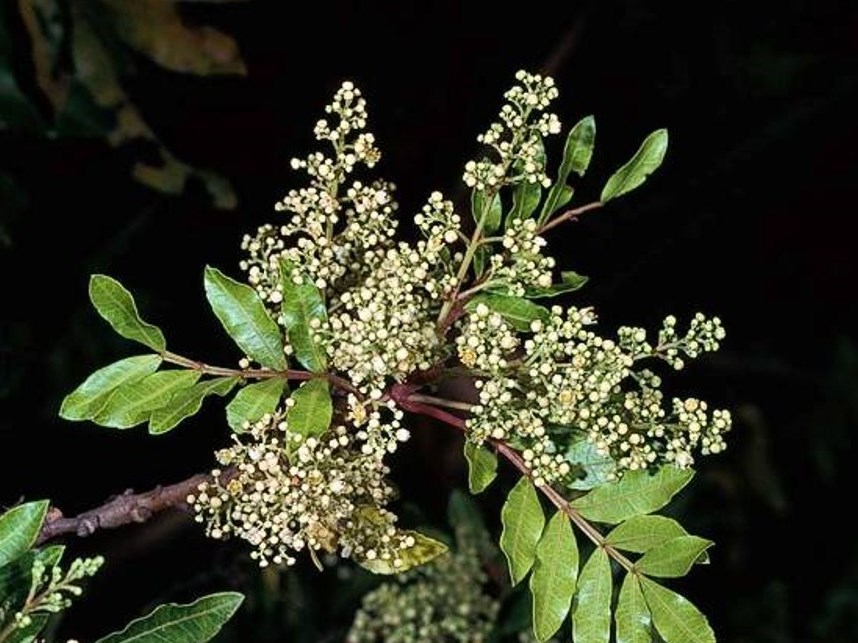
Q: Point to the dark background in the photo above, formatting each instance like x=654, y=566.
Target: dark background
x=750, y=217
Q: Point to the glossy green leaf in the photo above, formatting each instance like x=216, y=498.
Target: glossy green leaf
x=245, y=319
x=253, y=401
x=676, y=619
x=188, y=402
x=19, y=528
x=645, y=161
x=673, y=558
x=555, y=572
x=313, y=409
x=51, y=555
x=577, y=153
x=482, y=466
x=519, y=312
x=570, y=282
x=525, y=200
x=491, y=212
x=302, y=304
x=632, y=616
x=591, y=613
x=481, y=259
x=28, y=634
x=85, y=402
x=636, y=493
x=195, y=622
x=132, y=403
x=116, y=305
x=641, y=533
x=522, y=520
x=594, y=469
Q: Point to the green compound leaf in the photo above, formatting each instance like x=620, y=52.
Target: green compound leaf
x=254, y=401
x=595, y=469
x=303, y=303
x=555, y=572
x=577, y=153
x=19, y=528
x=245, y=319
x=491, y=211
x=570, y=281
x=525, y=200
x=116, y=305
x=632, y=616
x=522, y=520
x=188, y=402
x=196, y=622
x=313, y=409
x=132, y=403
x=639, y=534
x=645, y=161
x=517, y=311
x=85, y=402
x=673, y=558
x=636, y=493
x=676, y=619
x=591, y=614
x=482, y=467
x=424, y=550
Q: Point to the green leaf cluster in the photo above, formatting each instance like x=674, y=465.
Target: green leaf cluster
x=562, y=588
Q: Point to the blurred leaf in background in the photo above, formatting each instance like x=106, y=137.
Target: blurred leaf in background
x=79, y=56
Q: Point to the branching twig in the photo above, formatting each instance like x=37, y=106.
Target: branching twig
x=569, y=215
x=123, y=509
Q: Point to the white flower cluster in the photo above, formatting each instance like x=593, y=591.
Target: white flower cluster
x=522, y=265
x=327, y=495
x=485, y=340
x=571, y=381
x=517, y=136
x=703, y=336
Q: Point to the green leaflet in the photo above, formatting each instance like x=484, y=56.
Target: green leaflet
x=674, y=557
x=188, y=402
x=89, y=398
x=481, y=259
x=303, y=303
x=597, y=469
x=313, y=409
x=19, y=528
x=245, y=319
x=641, y=533
x=555, y=572
x=632, y=616
x=522, y=520
x=636, y=493
x=196, y=622
x=116, y=305
x=570, y=281
x=645, y=161
x=254, y=401
x=491, y=212
x=133, y=402
x=51, y=555
x=591, y=614
x=525, y=200
x=517, y=311
x=15, y=581
x=482, y=466
x=577, y=153
x=676, y=619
